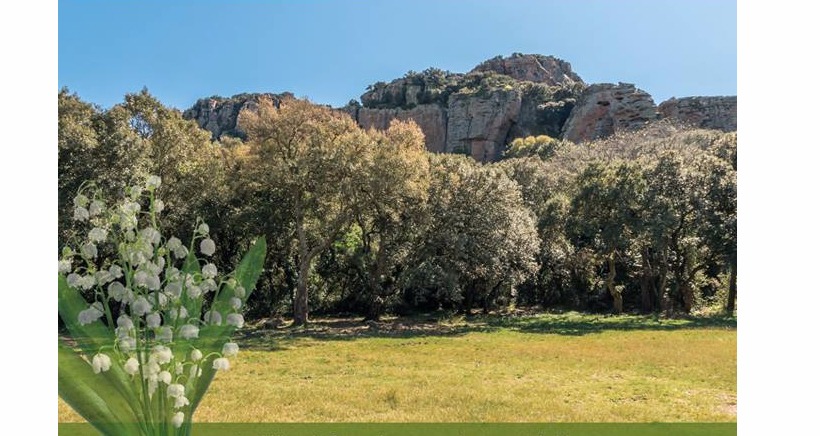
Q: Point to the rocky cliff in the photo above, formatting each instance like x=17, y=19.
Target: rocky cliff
x=532, y=68
x=503, y=98
x=218, y=115
x=479, y=112
x=706, y=112
x=604, y=108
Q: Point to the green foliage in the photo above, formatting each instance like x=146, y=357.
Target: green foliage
x=486, y=83
x=120, y=146
x=657, y=207
x=371, y=224
x=480, y=240
x=542, y=146
x=312, y=159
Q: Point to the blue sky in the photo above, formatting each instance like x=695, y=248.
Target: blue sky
x=329, y=51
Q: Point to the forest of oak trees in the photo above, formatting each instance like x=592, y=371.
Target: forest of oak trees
x=371, y=223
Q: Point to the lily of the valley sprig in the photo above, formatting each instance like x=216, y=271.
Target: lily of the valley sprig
x=150, y=318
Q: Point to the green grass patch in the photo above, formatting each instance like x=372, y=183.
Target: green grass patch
x=531, y=368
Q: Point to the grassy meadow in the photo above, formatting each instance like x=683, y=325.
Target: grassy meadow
x=532, y=368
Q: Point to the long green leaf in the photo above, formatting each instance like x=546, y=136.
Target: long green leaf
x=92, y=396
x=191, y=266
x=211, y=336
x=89, y=338
x=70, y=303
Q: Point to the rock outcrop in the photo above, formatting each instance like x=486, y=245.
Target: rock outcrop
x=218, y=115
x=503, y=98
x=705, y=112
x=604, y=108
x=431, y=118
x=532, y=68
x=477, y=113
x=544, y=110
x=479, y=125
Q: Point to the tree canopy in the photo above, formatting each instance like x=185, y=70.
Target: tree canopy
x=369, y=222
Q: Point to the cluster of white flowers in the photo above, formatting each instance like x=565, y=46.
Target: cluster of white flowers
x=151, y=294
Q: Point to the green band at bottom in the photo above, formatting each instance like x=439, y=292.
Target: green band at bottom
x=444, y=429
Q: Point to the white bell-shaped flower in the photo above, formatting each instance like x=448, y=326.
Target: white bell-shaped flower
x=115, y=271
x=207, y=247
x=189, y=331
x=162, y=354
x=221, y=364
x=100, y=363
x=81, y=214
x=153, y=320
x=80, y=200
x=124, y=322
x=165, y=377
x=194, y=292
x=64, y=266
x=213, y=317
x=89, y=250
x=235, y=319
x=95, y=208
x=239, y=291
x=116, y=290
x=178, y=419
x=209, y=271
x=153, y=182
x=132, y=366
x=230, y=349
x=180, y=401
x=97, y=235
x=176, y=390
x=203, y=229
x=127, y=344
x=165, y=334
x=235, y=303
x=140, y=306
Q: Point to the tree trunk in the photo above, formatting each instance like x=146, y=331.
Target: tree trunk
x=469, y=298
x=730, y=303
x=273, y=293
x=374, y=309
x=688, y=296
x=646, y=279
x=488, y=299
x=677, y=298
x=610, y=284
x=662, y=296
x=300, y=301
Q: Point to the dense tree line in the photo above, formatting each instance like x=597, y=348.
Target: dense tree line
x=369, y=222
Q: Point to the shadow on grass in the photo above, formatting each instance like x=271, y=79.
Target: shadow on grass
x=432, y=325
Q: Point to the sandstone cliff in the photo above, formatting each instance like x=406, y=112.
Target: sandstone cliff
x=218, y=115
x=430, y=117
x=503, y=98
x=706, y=112
x=477, y=113
x=604, y=108
x=532, y=68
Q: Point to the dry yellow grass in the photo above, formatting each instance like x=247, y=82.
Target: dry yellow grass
x=551, y=368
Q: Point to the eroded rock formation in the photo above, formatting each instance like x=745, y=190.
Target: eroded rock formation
x=503, y=98
x=705, y=112
x=431, y=118
x=218, y=115
x=604, y=108
x=532, y=68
